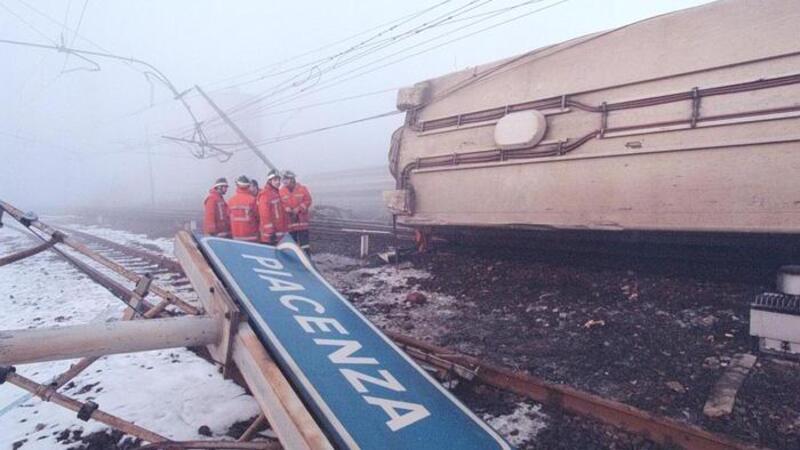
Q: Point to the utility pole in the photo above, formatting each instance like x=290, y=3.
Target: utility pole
x=150, y=166
x=237, y=130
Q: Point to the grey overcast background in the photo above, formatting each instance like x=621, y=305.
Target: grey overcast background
x=77, y=133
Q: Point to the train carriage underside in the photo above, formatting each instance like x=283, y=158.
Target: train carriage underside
x=687, y=123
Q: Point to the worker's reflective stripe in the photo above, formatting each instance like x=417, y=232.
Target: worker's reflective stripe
x=267, y=229
x=298, y=226
x=244, y=209
x=220, y=211
x=251, y=237
x=276, y=206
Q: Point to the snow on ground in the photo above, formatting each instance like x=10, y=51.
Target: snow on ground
x=522, y=425
x=118, y=236
x=380, y=292
x=172, y=392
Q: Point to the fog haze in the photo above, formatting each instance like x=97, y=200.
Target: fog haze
x=89, y=132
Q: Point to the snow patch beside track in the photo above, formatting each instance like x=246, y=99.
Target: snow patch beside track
x=172, y=392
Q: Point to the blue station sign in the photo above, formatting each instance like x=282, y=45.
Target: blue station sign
x=365, y=392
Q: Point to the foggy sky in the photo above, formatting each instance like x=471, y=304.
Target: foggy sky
x=75, y=137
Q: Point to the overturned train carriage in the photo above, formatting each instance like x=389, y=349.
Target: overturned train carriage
x=687, y=122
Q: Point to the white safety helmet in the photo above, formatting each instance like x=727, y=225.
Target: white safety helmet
x=243, y=181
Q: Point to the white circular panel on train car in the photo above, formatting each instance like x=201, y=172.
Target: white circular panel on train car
x=520, y=130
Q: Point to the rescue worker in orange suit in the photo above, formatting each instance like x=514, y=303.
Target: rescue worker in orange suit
x=216, y=220
x=271, y=214
x=254, y=187
x=297, y=204
x=243, y=212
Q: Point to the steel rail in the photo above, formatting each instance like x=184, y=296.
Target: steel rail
x=161, y=260
x=659, y=429
x=124, y=294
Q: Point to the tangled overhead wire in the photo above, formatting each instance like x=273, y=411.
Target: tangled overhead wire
x=203, y=149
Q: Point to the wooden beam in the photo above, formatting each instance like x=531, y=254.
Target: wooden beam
x=286, y=413
x=212, y=294
x=73, y=371
x=724, y=394
x=290, y=419
x=51, y=344
x=260, y=422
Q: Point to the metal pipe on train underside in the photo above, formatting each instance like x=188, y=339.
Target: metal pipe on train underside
x=91, y=340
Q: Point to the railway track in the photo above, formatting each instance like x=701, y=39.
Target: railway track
x=447, y=365
x=359, y=227
x=763, y=253
x=136, y=258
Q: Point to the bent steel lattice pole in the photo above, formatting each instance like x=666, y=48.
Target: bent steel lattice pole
x=250, y=144
x=18, y=352
x=92, y=340
x=86, y=251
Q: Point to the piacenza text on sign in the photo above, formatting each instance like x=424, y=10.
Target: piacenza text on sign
x=310, y=316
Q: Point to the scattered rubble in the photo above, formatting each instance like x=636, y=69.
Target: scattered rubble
x=416, y=298
x=577, y=321
x=520, y=426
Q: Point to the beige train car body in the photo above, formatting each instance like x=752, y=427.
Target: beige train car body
x=687, y=122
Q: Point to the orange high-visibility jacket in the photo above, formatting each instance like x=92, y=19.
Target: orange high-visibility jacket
x=297, y=203
x=244, y=215
x=271, y=215
x=215, y=215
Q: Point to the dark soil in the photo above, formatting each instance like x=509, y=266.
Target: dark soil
x=650, y=332
x=101, y=440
